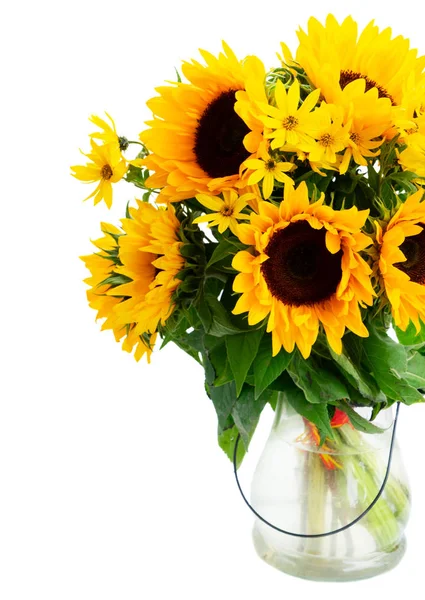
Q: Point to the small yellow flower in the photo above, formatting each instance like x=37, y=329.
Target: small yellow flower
x=107, y=166
x=330, y=135
x=227, y=211
x=108, y=133
x=290, y=123
x=268, y=168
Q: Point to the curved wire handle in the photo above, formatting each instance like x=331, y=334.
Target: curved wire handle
x=318, y=535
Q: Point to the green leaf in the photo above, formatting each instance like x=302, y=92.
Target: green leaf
x=387, y=361
x=359, y=422
x=358, y=377
x=221, y=251
x=223, y=372
x=221, y=324
x=415, y=374
x=247, y=410
x=241, y=352
x=223, y=398
x=318, y=382
x=227, y=442
x=410, y=337
x=267, y=368
x=316, y=413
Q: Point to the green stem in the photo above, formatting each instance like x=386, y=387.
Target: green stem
x=317, y=492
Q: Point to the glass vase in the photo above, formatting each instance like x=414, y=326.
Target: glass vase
x=302, y=487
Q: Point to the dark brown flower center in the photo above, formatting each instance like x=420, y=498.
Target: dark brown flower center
x=347, y=77
x=106, y=172
x=270, y=165
x=413, y=249
x=219, y=148
x=227, y=211
x=300, y=269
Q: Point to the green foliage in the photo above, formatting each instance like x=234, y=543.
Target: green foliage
x=241, y=352
x=267, y=368
x=227, y=441
x=387, y=361
x=316, y=379
x=315, y=413
x=410, y=337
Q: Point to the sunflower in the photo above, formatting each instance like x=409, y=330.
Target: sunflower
x=401, y=261
x=150, y=260
x=196, y=138
x=106, y=166
x=102, y=266
x=333, y=56
x=303, y=269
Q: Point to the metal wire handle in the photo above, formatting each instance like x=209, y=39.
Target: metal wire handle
x=318, y=535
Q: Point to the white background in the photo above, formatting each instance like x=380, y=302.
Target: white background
x=112, y=485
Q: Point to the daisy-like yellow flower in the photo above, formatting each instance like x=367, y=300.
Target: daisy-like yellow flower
x=196, y=138
x=303, y=269
x=227, y=211
x=289, y=122
x=267, y=168
x=401, y=262
x=334, y=55
x=329, y=135
x=107, y=166
x=102, y=266
x=108, y=132
x=150, y=260
x=367, y=119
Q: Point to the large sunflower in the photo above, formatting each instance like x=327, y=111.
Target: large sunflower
x=303, y=269
x=402, y=261
x=334, y=55
x=150, y=259
x=196, y=138
x=103, y=268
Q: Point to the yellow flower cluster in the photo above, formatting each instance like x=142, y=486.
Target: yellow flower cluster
x=227, y=142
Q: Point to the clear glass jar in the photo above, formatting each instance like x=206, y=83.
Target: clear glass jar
x=301, y=487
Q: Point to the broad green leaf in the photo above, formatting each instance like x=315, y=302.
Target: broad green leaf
x=410, y=337
x=247, y=410
x=318, y=383
x=415, y=374
x=316, y=413
x=357, y=377
x=241, y=352
x=227, y=442
x=223, y=398
x=223, y=372
x=359, y=422
x=267, y=368
x=387, y=361
x=221, y=323
x=221, y=251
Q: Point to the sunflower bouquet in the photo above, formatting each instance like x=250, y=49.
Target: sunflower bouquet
x=278, y=236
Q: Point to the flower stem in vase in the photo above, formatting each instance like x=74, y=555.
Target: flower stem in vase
x=317, y=492
x=395, y=493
